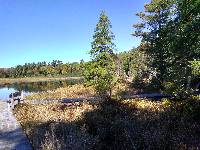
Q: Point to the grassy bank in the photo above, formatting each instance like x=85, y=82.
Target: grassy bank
x=75, y=91
x=7, y=81
x=138, y=124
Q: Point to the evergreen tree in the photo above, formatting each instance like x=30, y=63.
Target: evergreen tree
x=170, y=33
x=185, y=42
x=156, y=35
x=100, y=72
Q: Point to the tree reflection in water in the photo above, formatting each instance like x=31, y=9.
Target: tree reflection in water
x=41, y=86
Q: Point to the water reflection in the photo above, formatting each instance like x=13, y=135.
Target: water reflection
x=41, y=86
x=35, y=86
x=4, y=93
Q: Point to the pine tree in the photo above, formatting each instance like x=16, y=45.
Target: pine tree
x=156, y=35
x=100, y=72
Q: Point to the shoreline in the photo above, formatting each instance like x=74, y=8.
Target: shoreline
x=8, y=81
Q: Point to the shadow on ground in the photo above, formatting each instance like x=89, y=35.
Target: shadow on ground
x=14, y=140
x=123, y=125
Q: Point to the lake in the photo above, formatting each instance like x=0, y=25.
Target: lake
x=28, y=88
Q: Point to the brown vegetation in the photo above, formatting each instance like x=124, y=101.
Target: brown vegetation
x=74, y=91
x=130, y=124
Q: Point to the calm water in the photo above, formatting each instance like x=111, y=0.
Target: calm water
x=28, y=88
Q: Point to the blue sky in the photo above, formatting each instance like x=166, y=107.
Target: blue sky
x=43, y=30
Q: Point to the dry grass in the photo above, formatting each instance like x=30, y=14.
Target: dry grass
x=74, y=91
x=53, y=112
x=130, y=124
x=52, y=126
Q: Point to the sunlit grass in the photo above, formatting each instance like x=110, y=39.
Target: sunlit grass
x=52, y=112
x=74, y=91
x=39, y=123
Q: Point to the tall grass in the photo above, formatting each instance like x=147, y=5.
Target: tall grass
x=53, y=126
x=130, y=124
x=75, y=91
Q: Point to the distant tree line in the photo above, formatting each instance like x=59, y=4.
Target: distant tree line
x=51, y=69
x=128, y=64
